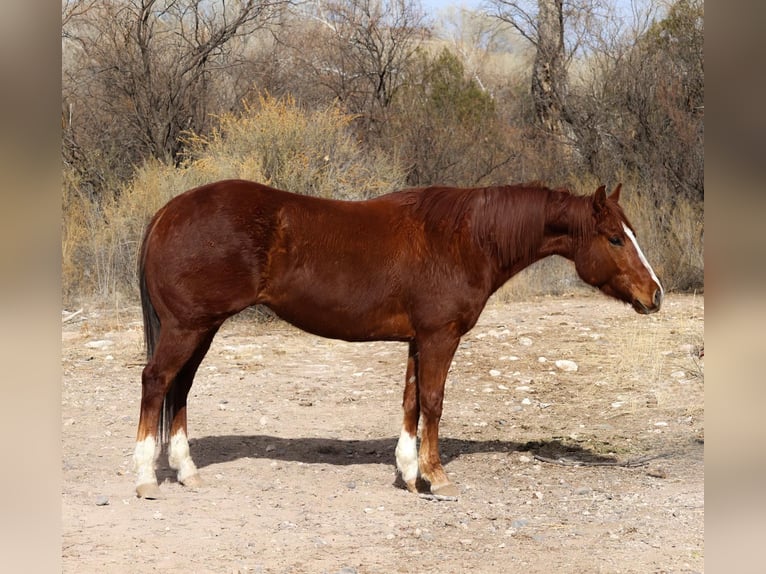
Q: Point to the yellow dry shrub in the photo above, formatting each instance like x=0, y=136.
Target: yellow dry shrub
x=273, y=141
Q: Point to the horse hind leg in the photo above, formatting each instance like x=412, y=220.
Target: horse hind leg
x=174, y=350
x=174, y=415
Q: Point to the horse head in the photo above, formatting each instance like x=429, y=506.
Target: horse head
x=608, y=256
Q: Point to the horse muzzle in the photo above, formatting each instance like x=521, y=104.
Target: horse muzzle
x=652, y=307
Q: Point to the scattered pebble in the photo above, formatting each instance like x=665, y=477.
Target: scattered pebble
x=657, y=472
x=566, y=365
x=100, y=344
x=526, y=341
x=494, y=373
x=102, y=501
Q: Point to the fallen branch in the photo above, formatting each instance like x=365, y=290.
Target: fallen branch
x=632, y=463
x=71, y=316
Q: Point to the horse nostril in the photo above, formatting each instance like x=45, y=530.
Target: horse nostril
x=658, y=297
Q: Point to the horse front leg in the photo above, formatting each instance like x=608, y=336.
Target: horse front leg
x=406, y=448
x=435, y=357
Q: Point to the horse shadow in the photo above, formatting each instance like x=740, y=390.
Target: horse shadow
x=212, y=450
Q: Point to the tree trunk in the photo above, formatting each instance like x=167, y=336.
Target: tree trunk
x=549, y=82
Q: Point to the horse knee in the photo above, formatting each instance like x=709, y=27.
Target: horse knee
x=431, y=406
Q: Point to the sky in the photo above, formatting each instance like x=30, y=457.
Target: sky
x=431, y=6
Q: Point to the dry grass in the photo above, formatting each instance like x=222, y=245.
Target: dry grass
x=314, y=152
x=274, y=142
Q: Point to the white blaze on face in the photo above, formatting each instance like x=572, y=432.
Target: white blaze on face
x=407, y=456
x=641, y=256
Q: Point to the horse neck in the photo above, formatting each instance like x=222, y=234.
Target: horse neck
x=538, y=223
x=567, y=220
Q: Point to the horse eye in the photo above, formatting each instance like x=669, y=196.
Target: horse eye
x=616, y=241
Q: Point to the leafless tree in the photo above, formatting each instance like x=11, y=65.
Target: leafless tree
x=139, y=72
x=357, y=51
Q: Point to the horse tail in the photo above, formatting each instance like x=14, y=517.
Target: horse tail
x=151, y=336
x=151, y=320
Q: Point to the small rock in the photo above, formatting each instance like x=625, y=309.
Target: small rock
x=657, y=472
x=102, y=501
x=526, y=341
x=347, y=570
x=494, y=373
x=526, y=402
x=100, y=344
x=566, y=365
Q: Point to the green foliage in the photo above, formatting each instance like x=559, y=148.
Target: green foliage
x=444, y=126
x=451, y=95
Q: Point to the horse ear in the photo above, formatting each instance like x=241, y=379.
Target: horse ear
x=615, y=195
x=599, y=199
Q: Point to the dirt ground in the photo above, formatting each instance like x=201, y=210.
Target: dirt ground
x=295, y=437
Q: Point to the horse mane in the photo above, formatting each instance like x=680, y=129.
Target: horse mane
x=508, y=220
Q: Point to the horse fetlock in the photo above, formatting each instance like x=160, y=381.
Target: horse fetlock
x=179, y=459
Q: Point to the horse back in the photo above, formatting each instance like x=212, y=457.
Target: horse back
x=351, y=270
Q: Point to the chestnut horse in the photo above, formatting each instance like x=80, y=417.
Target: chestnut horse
x=415, y=266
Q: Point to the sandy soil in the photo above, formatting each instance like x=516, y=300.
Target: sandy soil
x=295, y=438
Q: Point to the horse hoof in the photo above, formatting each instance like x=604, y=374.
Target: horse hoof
x=149, y=490
x=446, y=491
x=193, y=481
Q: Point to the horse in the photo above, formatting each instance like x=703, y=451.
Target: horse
x=415, y=266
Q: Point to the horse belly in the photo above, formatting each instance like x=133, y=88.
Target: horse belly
x=354, y=318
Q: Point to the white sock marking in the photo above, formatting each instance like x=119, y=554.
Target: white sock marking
x=641, y=256
x=407, y=456
x=179, y=457
x=146, y=453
